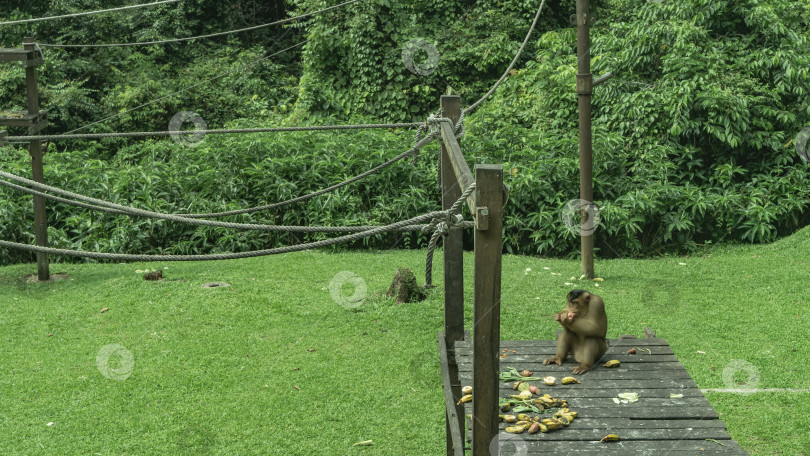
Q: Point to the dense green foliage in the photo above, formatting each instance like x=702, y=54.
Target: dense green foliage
x=693, y=138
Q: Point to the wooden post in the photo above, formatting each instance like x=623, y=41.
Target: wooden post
x=453, y=268
x=487, y=301
x=35, y=150
x=584, y=91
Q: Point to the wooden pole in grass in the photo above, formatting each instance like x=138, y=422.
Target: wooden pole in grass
x=35, y=150
x=453, y=268
x=489, y=201
x=584, y=91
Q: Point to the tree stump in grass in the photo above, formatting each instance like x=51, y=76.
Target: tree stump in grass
x=154, y=275
x=405, y=287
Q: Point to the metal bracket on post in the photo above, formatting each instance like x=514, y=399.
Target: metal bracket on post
x=482, y=218
x=584, y=84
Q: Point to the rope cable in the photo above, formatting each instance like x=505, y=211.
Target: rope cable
x=442, y=215
x=287, y=228
x=86, y=13
x=141, y=134
x=413, y=150
x=249, y=65
x=473, y=106
x=212, y=35
x=173, y=217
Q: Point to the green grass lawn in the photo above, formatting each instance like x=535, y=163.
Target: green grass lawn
x=273, y=365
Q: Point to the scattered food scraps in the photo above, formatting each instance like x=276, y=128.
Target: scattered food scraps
x=632, y=351
x=364, y=443
x=610, y=438
x=675, y=396
x=296, y=387
x=105, y=309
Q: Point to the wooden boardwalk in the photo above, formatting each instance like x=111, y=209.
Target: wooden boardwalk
x=654, y=425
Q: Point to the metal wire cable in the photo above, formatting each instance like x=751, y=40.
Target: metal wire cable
x=228, y=256
x=141, y=134
x=87, y=13
x=472, y=107
x=212, y=35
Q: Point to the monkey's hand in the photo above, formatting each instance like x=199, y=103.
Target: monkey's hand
x=566, y=318
x=554, y=360
x=561, y=316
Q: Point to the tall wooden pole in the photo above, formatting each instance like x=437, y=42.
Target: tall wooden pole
x=453, y=267
x=489, y=201
x=35, y=150
x=584, y=91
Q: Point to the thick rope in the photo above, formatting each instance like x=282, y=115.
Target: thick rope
x=86, y=13
x=140, y=134
x=222, y=256
x=105, y=206
x=441, y=227
x=212, y=35
x=441, y=215
x=413, y=150
x=287, y=228
x=511, y=65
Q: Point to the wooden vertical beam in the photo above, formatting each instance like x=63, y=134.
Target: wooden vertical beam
x=453, y=268
x=584, y=91
x=35, y=150
x=487, y=313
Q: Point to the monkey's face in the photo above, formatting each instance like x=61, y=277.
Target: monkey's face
x=577, y=301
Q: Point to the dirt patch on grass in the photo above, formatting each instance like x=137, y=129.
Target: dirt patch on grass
x=32, y=278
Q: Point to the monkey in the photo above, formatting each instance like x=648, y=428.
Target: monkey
x=584, y=332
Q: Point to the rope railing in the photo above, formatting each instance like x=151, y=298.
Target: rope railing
x=492, y=90
x=98, y=204
x=442, y=216
x=199, y=37
x=442, y=227
x=221, y=131
x=85, y=13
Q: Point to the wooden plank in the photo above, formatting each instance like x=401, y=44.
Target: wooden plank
x=628, y=361
x=546, y=349
x=619, y=424
x=574, y=433
x=672, y=385
x=534, y=364
x=517, y=446
x=613, y=342
x=455, y=436
x=643, y=413
x=459, y=164
x=22, y=118
x=16, y=54
x=598, y=375
x=487, y=307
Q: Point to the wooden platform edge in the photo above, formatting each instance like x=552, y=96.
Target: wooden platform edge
x=449, y=401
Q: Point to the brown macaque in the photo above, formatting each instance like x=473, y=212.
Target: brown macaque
x=584, y=324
